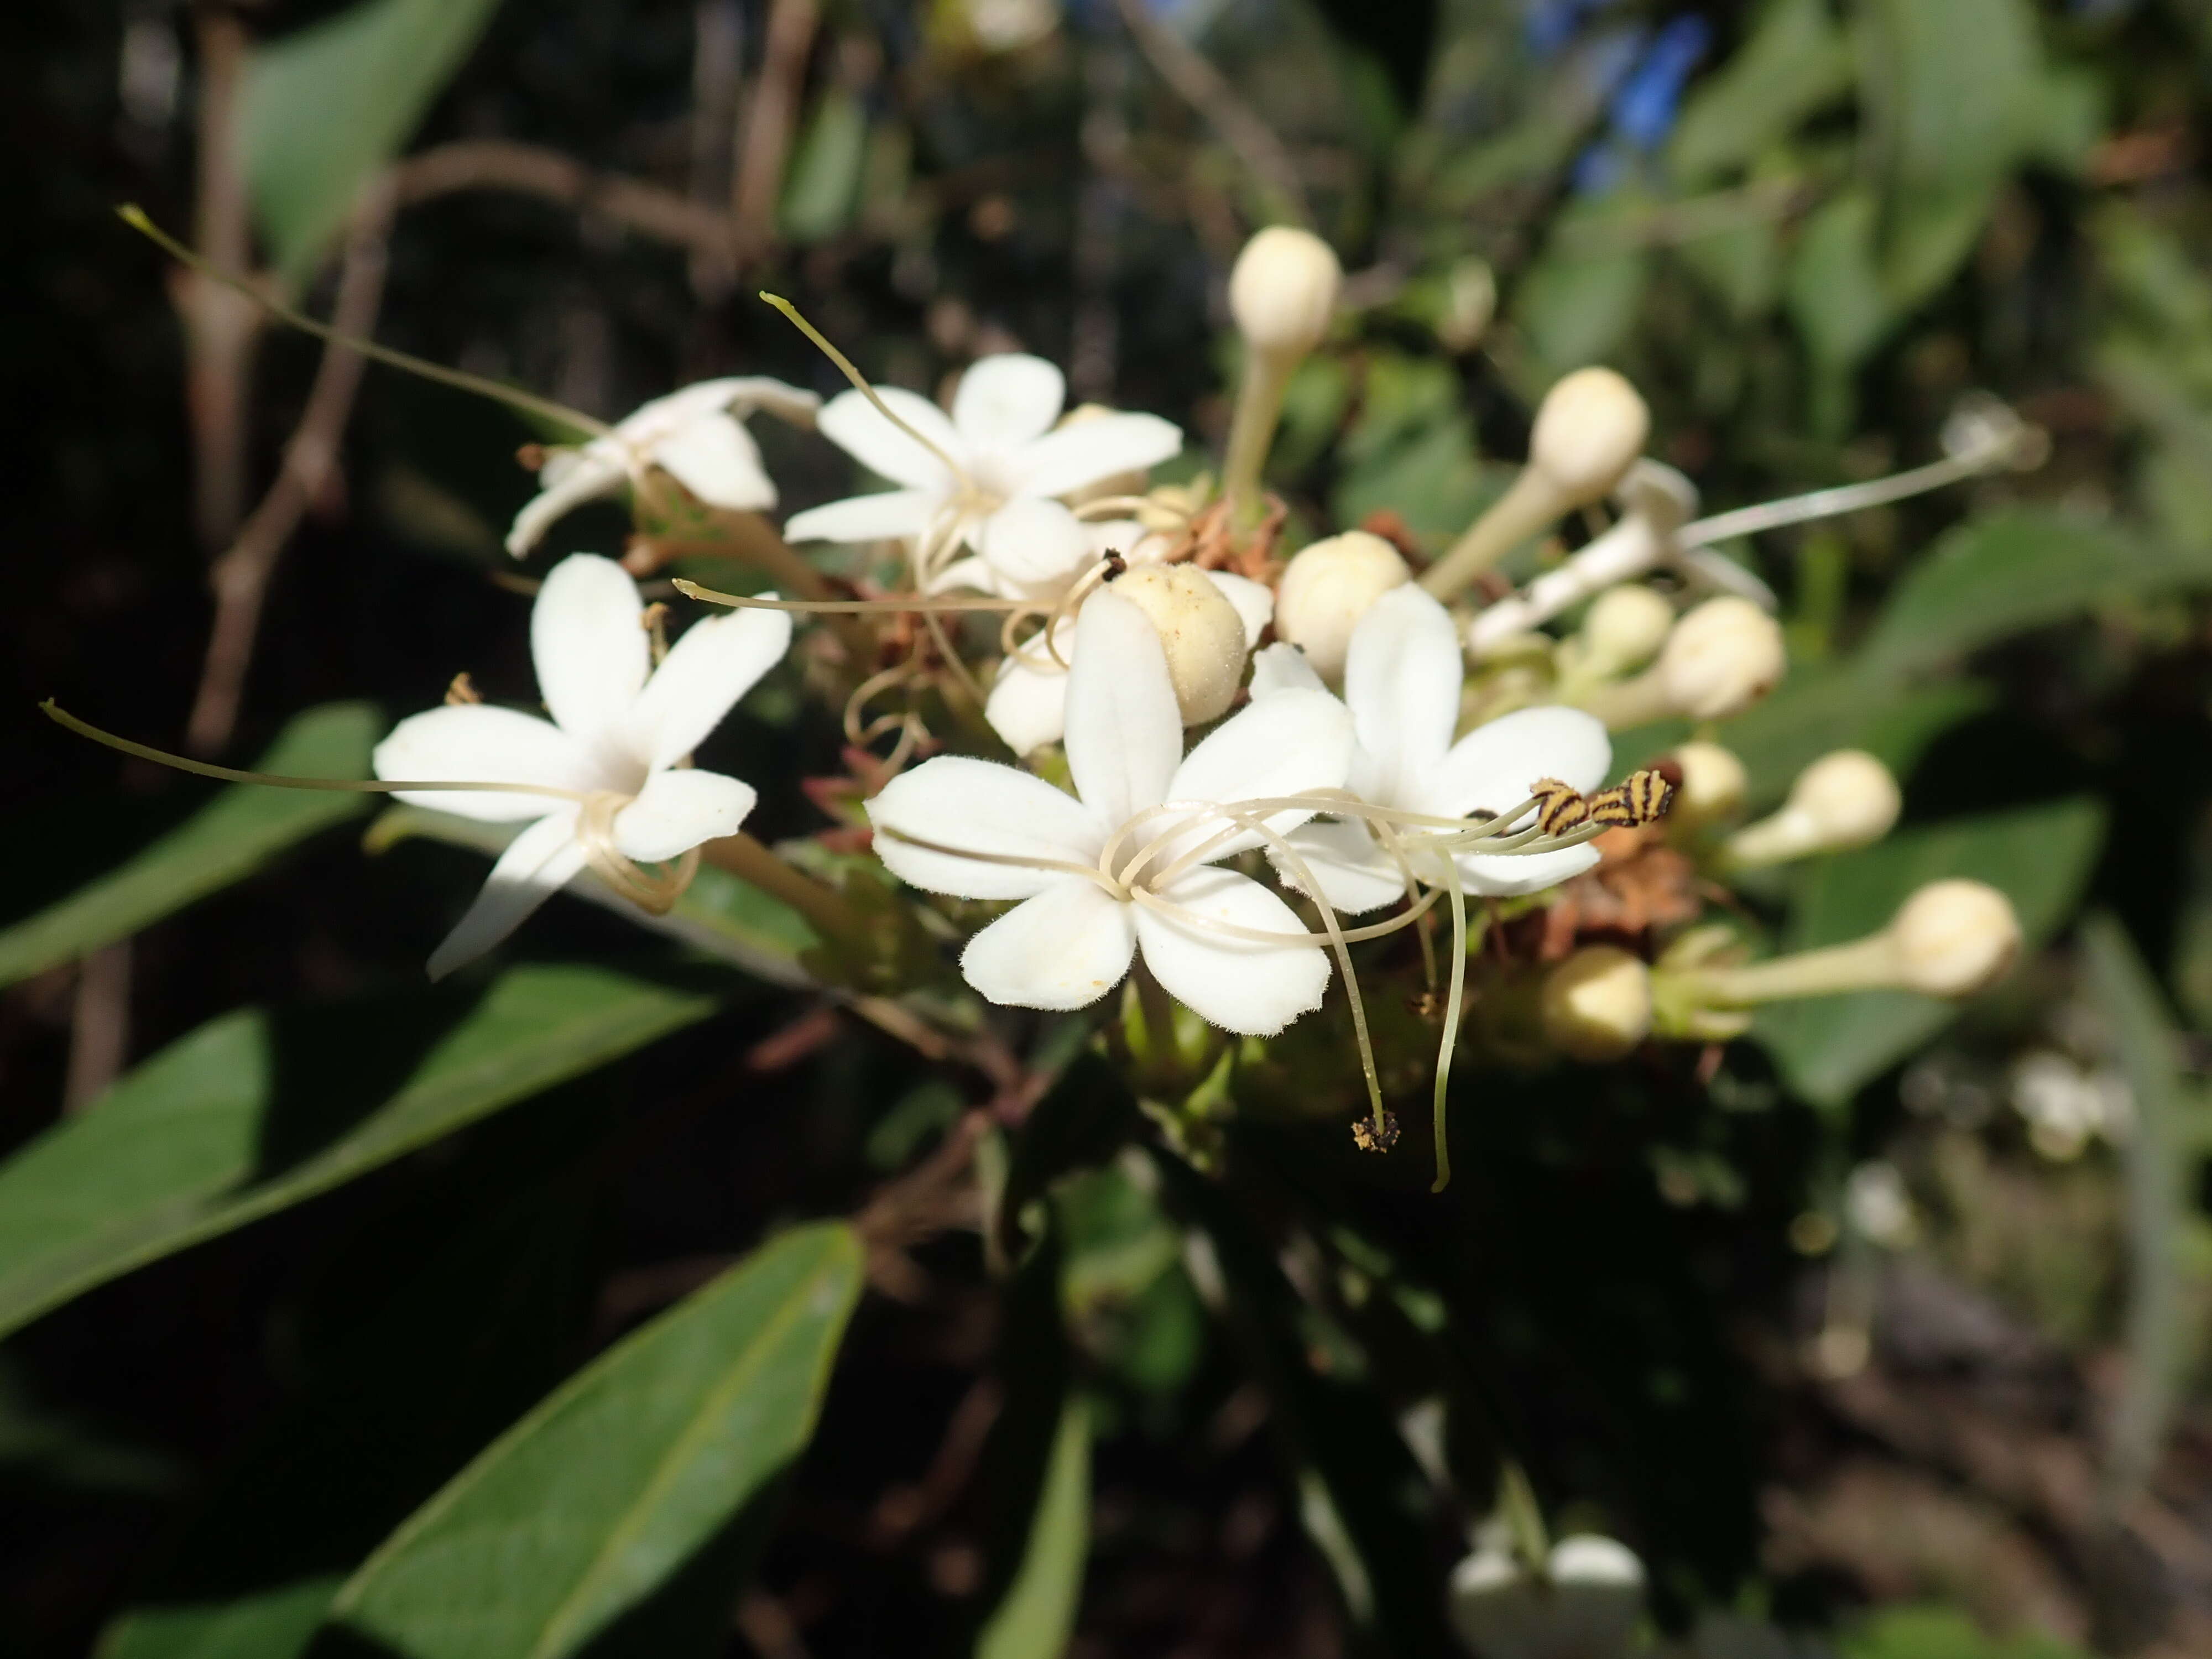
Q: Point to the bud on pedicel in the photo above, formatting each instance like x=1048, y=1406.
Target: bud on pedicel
x=1954, y=938
x=1282, y=291
x=1585, y=1602
x=1597, y=1005
x=1846, y=799
x=1625, y=628
x=1328, y=587
x=1589, y=429
x=1721, y=659
x=1202, y=630
x=1712, y=788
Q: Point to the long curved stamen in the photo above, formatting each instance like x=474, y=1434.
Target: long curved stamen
x=860, y=381
x=1058, y=867
x=62, y=717
x=1450, y=1043
x=1848, y=498
x=893, y=607
x=135, y=217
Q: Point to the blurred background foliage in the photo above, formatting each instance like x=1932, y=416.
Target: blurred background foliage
x=1884, y=1325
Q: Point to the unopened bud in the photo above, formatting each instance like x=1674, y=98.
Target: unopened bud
x=1590, y=1605
x=1846, y=799
x=1954, y=938
x=1597, y=1004
x=1721, y=659
x=1712, y=788
x=1282, y=291
x=1625, y=628
x=1202, y=630
x=1589, y=429
x=1328, y=587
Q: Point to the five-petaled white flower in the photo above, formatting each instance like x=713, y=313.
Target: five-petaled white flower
x=999, y=462
x=1132, y=859
x=1028, y=704
x=609, y=756
x=1402, y=679
x=695, y=435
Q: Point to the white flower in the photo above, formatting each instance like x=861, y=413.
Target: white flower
x=1006, y=462
x=695, y=436
x=1097, y=871
x=609, y=754
x=1401, y=678
x=1028, y=704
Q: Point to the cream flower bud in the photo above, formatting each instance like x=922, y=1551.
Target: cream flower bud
x=1283, y=290
x=1954, y=938
x=1625, y=628
x=1597, y=1004
x=1713, y=785
x=1202, y=630
x=1721, y=659
x=1328, y=589
x=1589, y=429
x=1848, y=798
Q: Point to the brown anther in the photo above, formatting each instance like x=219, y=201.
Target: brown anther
x=532, y=455
x=1375, y=1134
x=1116, y=566
x=461, y=692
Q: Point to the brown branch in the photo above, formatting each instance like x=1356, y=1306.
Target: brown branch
x=100, y=1026
x=532, y=170
x=1207, y=91
x=773, y=119
x=240, y=576
x=221, y=325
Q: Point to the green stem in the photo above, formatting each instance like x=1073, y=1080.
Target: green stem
x=822, y=906
x=1866, y=964
x=1251, y=430
x=1532, y=502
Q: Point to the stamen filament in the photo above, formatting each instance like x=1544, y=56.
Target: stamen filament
x=860, y=381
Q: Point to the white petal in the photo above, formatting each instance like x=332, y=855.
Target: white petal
x=678, y=811
x=1402, y=680
x=699, y=680
x=1033, y=543
x=1124, y=730
x=587, y=638
x=880, y=517
x=1503, y=875
x=1249, y=988
x=579, y=477
x=851, y=423
x=1492, y=766
x=537, y=864
x=1352, y=870
x=738, y=394
x=1282, y=668
x=976, y=806
x=1254, y=603
x=1065, y=948
x=1007, y=400
x=474, y=743
x=1290, y=744
x=716, y=459
x=1028, y=707
x=1075, y=456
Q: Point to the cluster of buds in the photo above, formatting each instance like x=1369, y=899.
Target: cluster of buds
x=1371, y=741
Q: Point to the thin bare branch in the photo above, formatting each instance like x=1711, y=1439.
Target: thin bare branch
x=1207, y=90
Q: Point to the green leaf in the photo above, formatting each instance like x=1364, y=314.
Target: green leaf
x=1796, y=61
x=825, y=172
x=608, y=1489
x=234, y=835
x=2159, y=1204
x=1578, y=301
x=2012, y=570
x=1036, y=1617
x=1932, y=1631
x=2038, y=857
x=1835, y=297
x=254, y=1112
x=326, y=108
x=1814, y=712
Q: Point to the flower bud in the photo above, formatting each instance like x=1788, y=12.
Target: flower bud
x=1625, y=628
x=1589, y=429
x=1848, y=798
x=1327, y=589
x=1597, y=1004
x=1954, y=938
x=1590, y=1607
x=1721, y=659
x=1283, y=290
x=1712, y=788
x=1202, y=630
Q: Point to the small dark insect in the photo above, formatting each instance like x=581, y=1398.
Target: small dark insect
x=1376, y=1135
x=1642, y=798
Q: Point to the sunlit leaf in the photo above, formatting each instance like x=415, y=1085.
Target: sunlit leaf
x=825, y=172
x=1794, y=62
x=326, y=106
x=2039, y=857
x=254, y=1111
x=611, y=1486
x=234, y=835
